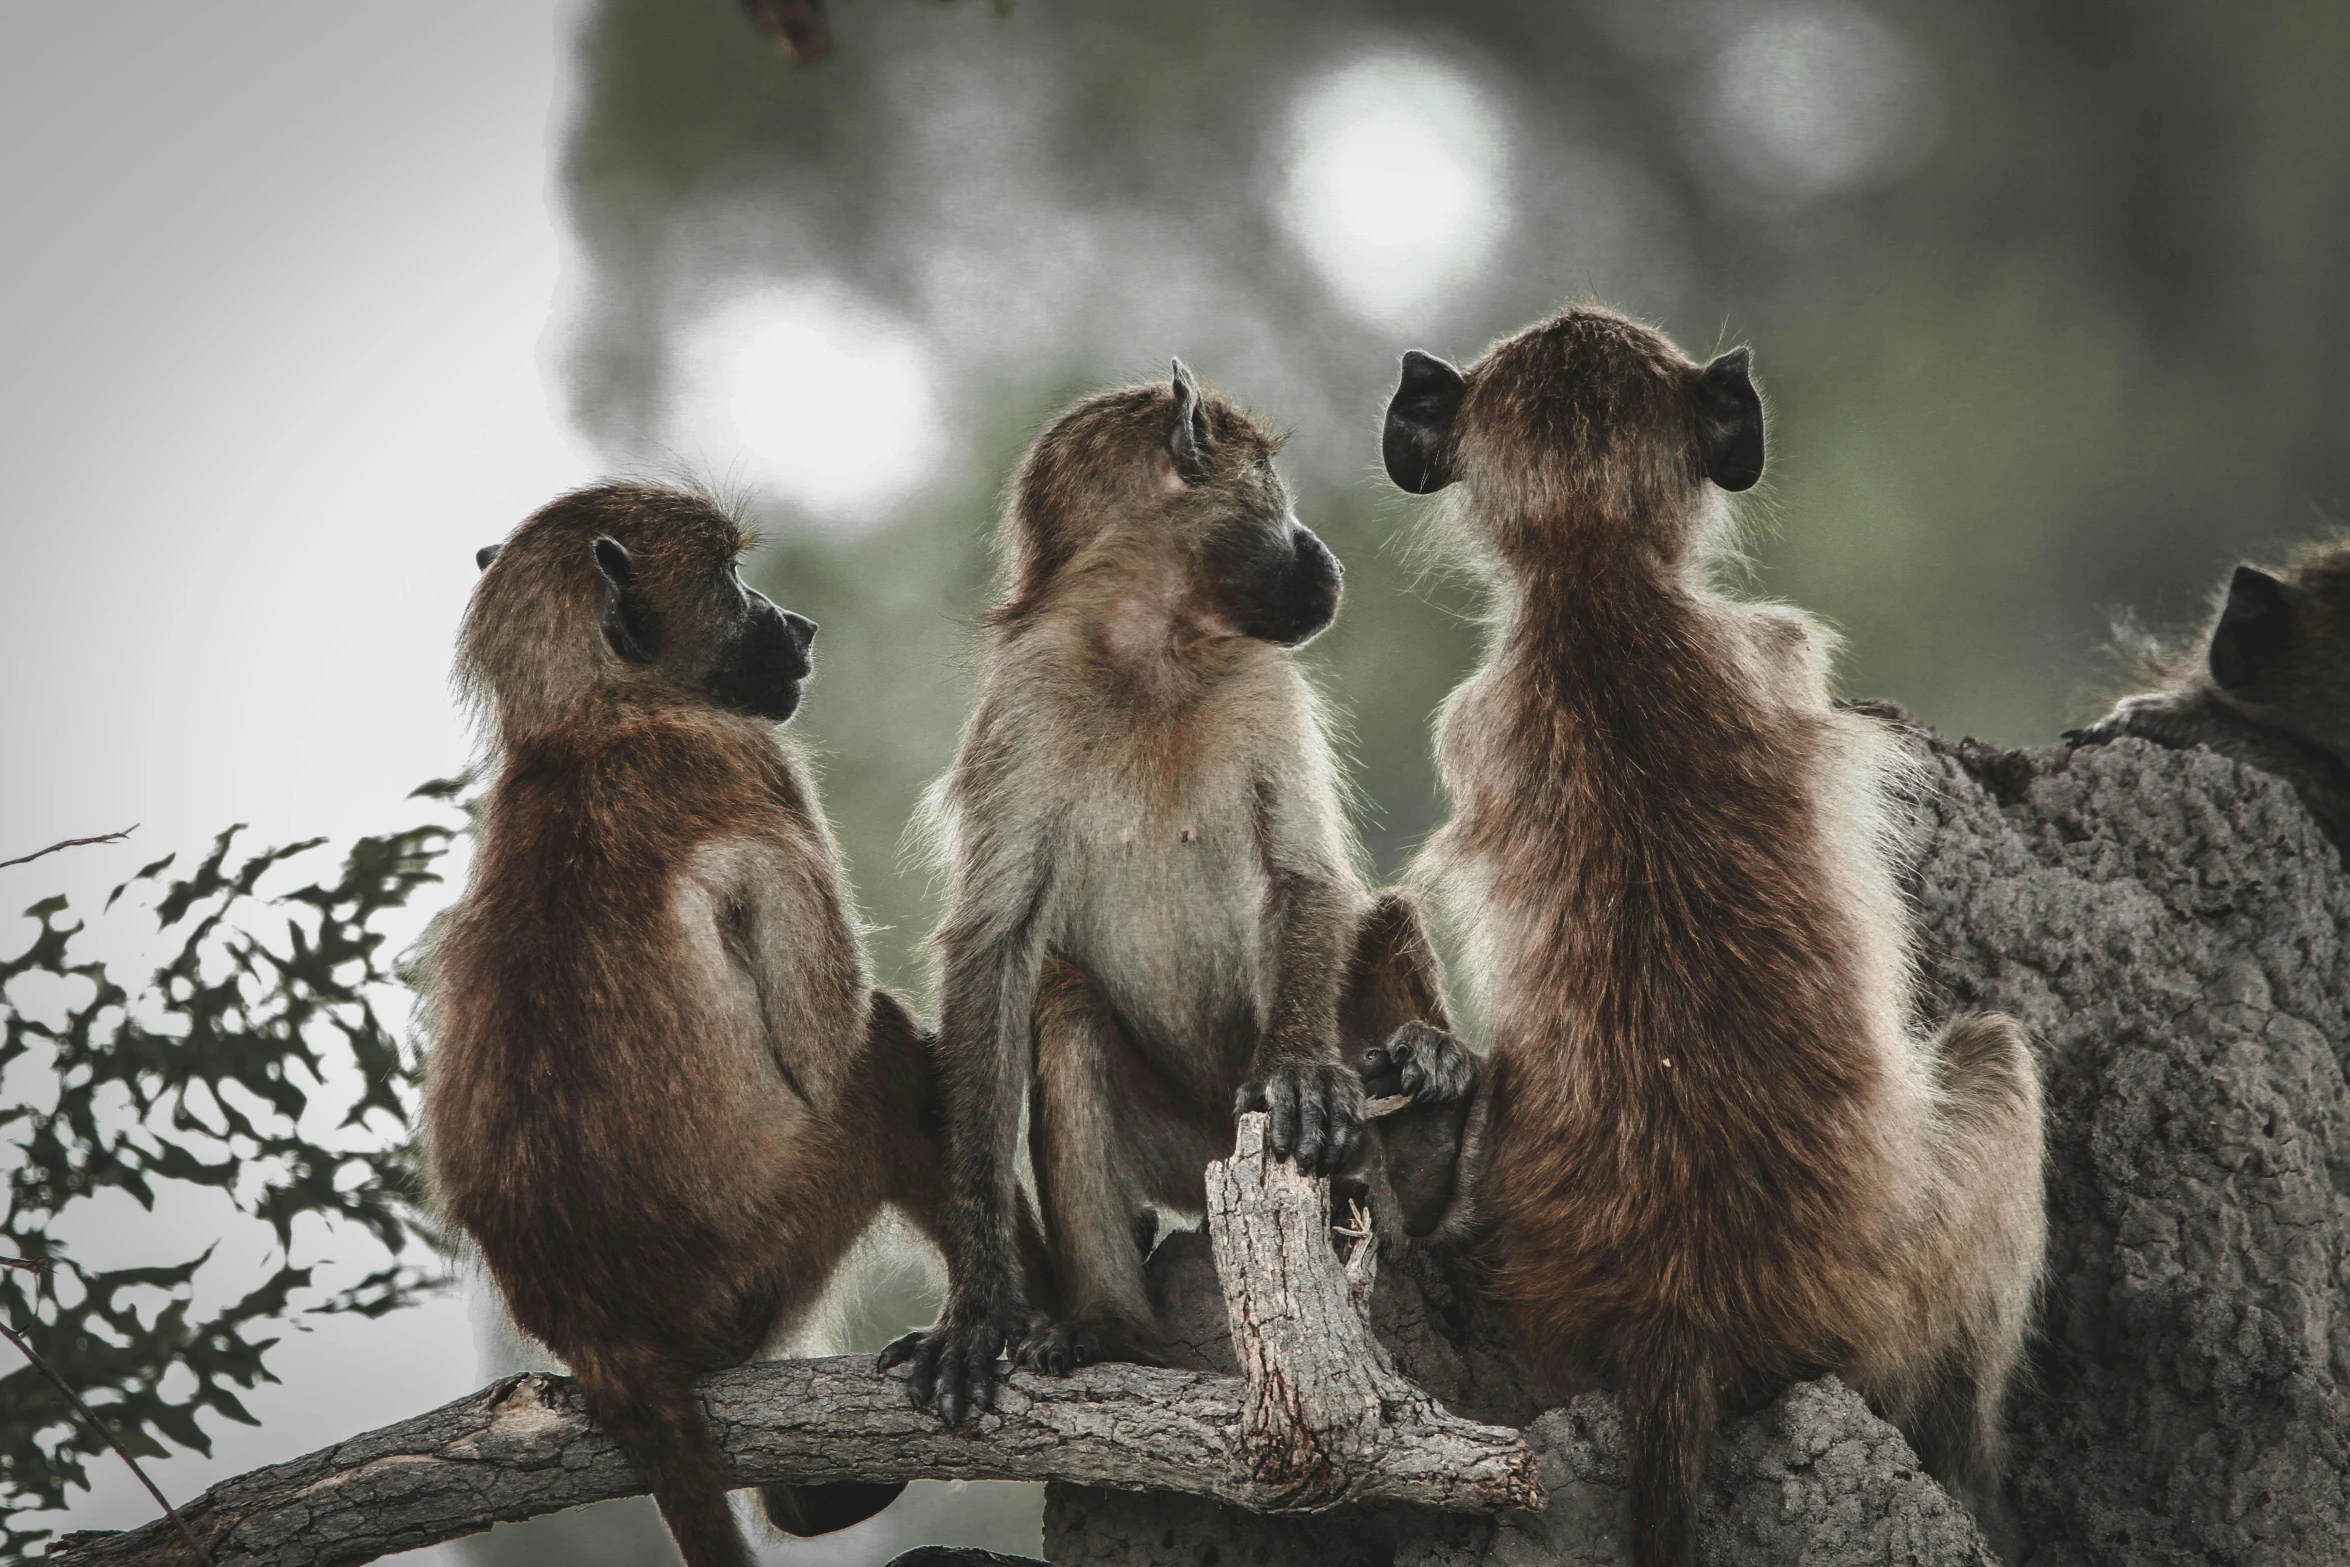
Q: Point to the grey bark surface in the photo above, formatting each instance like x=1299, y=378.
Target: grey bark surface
x=2170, y=926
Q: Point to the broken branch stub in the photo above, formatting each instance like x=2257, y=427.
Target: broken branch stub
x=1327, y=1419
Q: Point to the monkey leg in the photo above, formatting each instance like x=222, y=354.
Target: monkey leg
x=1110, y=1140
x=1394, y=1027
x=1977, y=1272
x=901, y=1062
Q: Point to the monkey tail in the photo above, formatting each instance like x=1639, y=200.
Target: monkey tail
x=646, y=1404
x=1670, y=1410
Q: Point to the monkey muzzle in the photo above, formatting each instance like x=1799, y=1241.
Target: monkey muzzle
x=1310, y=599
x=772, y=659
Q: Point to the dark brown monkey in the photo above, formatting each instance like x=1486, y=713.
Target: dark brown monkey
x=1719, y=1157
x=1154, y=891
x=2268, y=686
x=663, y=1096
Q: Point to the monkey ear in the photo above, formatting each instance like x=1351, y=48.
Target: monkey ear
x=1417, y=441
x=1730, y=422
x=629, y=623
x=1187, y=438
x=483, y=556
x=2254, y=631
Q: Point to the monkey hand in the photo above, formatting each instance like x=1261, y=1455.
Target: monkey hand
x=1423, y=1061
x=1316, y=1109
x=953, y=1365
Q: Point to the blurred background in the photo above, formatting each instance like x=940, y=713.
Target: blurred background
x=2050, y=300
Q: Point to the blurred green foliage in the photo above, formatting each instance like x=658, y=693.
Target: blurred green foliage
x=255, y=1062
x=2065, y=343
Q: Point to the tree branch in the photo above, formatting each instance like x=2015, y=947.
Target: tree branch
x=72, y=843
x=1320, y=1419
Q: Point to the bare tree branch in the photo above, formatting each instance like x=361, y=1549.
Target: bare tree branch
x=71, y=843
x=98, y=1427
x=1321, y=1419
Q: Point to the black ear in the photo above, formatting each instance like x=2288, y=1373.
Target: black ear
x=2254, y=631
x=1730, y=422
x=1417, y=441
x=483, y=556
x=1187, y=438
x=629, y=622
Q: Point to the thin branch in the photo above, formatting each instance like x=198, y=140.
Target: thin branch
x=92, y=1421
x=70, y=843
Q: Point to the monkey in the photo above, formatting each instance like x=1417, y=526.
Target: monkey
x=2269, y=684
x=663, y=1096
x=1719, y=1156
x=1154, y=894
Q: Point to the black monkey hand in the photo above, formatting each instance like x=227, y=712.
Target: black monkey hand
x=953, y=1365
x=1316, y=1109
x=1423, y=1061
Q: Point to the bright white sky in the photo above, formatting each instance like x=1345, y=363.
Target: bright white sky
x=274, y=291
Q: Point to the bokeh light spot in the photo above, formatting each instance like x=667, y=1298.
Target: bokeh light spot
x=825, y=399
x=1395, y=184
x=1812, y=99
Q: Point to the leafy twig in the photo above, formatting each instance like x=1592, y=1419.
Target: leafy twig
x=99, y=1426
x=70, y=843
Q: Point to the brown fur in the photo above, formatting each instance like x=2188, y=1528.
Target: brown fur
x=1153, y=883
x=2268, y=684
x=663, y=1098
x=1718, y=1158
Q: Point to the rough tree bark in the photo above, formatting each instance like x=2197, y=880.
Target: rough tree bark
x=1320, y=1419
x=2171, y=927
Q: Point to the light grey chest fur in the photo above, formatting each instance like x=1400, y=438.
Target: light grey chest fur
x=1164, y=904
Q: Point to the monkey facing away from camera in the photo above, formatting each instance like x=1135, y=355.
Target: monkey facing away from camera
x=663, y=1097
x=1719, y=1158
x=1153, y=900
x=2269, y=686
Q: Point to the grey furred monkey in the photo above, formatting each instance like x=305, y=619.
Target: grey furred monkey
x=663, y=1097
x=1154, y=899
x=2268, y=684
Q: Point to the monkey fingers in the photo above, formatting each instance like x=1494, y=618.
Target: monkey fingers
x=1059, y=1348
x=1424, y=1062
x=952, y=1367
x=1315, y=1112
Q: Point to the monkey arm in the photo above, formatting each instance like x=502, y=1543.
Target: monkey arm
x=991, y=949
x=1430, y=1107
x=1314, y=1098
x=791, y=961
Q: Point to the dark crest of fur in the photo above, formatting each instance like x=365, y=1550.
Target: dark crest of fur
x=2268, y=684
x=662, y=1098
x=1714, y=1164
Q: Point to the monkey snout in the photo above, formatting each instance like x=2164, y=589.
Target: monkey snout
x=1316, y=562
x=799, y=634
x=1318, y=581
